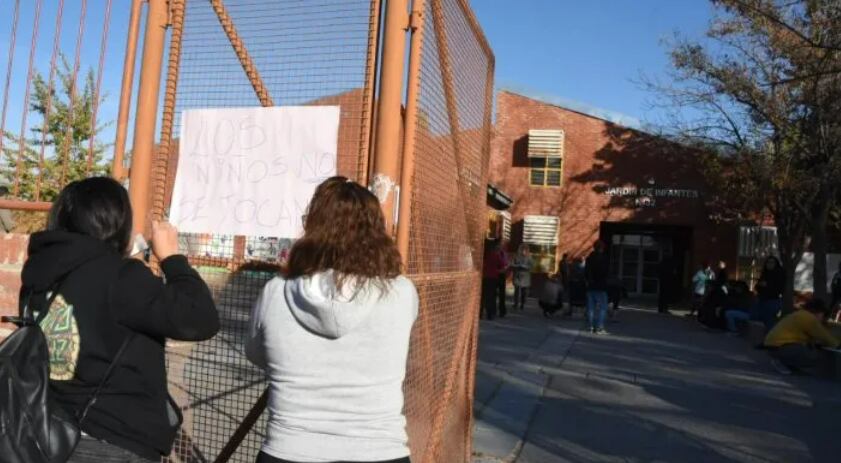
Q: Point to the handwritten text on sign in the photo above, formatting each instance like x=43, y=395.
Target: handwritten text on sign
x=252, y=171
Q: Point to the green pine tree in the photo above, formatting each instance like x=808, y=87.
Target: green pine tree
x=64, y=139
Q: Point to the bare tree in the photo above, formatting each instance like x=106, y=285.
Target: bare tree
x=761, y=94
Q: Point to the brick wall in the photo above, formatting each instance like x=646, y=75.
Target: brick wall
x=12, y=256
x=600, y=155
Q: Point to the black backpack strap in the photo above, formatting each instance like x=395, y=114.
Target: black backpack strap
x=25, y=302
x=92, y=400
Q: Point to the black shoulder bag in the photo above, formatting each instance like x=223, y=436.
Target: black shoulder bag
x=35, y=429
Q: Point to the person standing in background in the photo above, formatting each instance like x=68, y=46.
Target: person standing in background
x=769, y=288
x=700, y=282
x=7, y=220
x=596, y=271
x=502, y=257
x=492, y=266
x=522, y=266
x=565, y=269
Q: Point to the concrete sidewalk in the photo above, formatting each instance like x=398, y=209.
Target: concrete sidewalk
x=658, y=388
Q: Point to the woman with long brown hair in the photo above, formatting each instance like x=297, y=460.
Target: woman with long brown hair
x=332, y=335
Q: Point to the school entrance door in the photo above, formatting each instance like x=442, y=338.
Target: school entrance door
x=636, y=254
x=636, y=260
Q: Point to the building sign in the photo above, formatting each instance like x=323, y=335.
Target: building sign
x=647, y=196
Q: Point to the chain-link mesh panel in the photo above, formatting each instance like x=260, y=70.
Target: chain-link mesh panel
x=240, y=53
x=59, y=61
x=448, y=212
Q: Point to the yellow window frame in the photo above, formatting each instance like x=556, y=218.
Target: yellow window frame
x=540, y=170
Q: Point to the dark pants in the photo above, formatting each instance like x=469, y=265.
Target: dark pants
x=802, y=358
x=265, y=458
x=520, y=295
x=663, y=300
x=91, y=450
x=697, y=303
x=768, y=311
x=489, y=297
x=501, y=291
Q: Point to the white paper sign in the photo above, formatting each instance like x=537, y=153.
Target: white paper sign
x=252, y=171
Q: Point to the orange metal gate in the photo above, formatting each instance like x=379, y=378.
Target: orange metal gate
x=422, y=131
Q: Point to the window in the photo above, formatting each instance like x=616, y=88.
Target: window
x=541, y=234
x=543, y=257
x=545, y=172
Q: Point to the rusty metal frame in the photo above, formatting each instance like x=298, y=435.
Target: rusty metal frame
x=407, y=173
x=48, y=110
x=157, y=20
x=12, y=41
x=118, y=170
x=467, y=344
x=242, y=53
x=386, y=158
x=368, y=93
x=20, y=205
x=159, y=168
x=26, y=93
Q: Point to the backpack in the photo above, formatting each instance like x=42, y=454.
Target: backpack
x=33, y=428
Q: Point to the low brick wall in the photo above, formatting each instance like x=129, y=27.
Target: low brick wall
x=12, y=256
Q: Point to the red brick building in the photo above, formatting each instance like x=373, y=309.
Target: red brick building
x=579, y=178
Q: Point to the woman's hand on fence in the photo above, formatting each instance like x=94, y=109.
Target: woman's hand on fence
x=164, y=240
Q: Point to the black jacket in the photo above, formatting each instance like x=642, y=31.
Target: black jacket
x=103, y=298
x=771, y=284
x=597, y=270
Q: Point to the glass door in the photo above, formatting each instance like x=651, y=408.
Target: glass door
x=635, y=261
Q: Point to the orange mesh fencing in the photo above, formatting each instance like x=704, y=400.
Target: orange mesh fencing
x=237, y=53
x=453, y=130
x=249, y=52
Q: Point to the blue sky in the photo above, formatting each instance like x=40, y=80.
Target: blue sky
x=587, y=52
x=89, y=58
x=584, y=53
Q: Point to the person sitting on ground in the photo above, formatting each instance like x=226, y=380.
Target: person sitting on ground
x=332, y=335
x=793, y=340
x=739, y=306
x=551, y=295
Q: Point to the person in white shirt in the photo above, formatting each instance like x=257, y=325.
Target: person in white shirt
x=333, y=334
x=700, y=281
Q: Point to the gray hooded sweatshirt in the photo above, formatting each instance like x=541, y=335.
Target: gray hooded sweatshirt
x=335, y=363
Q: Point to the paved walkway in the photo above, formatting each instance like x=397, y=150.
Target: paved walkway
x=657, y=389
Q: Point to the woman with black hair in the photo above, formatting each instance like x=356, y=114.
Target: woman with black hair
x=769, y=290
x=107, y=303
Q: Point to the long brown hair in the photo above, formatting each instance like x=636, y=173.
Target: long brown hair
x=344, y=231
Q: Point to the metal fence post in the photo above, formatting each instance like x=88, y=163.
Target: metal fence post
x=386, y=160
x=410, y=131
x=118, y=167
x=147, y=112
